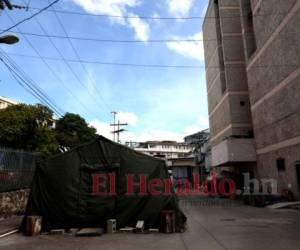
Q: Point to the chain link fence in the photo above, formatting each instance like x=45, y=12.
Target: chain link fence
x=16, y=169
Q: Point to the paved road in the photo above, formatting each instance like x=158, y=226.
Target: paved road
x=10, y=224
x=211, y=225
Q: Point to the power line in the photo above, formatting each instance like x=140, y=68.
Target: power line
x=32, y=85
x=28, y=84
x=28, y=4
x=112, y=40
x=161, y=18
x=20, y=81
x=108, y=63
x=34, y=49
x=78, y=58
x=62, y=59
x=6, y=3
x=49, y=67
x=93, y=39
x=29, y=18
x=152, y=65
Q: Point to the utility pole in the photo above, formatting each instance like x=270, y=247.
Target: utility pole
x=118, y=125
x=114, y=113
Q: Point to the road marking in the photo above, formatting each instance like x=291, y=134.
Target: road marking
x=9, y=233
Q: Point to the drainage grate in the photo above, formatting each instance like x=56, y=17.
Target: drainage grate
x=229, y=219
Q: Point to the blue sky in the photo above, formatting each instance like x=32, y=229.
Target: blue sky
x=158, y=103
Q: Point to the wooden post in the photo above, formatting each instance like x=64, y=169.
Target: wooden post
x=33, y=225
x=168, y=222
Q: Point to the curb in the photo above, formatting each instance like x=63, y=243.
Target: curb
x=10, y=232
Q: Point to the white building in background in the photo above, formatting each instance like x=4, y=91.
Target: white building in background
x=183, y=159
x=162, y=149
x=5, y=102
x=198, y=162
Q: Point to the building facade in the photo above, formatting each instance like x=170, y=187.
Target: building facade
x=162, y=149
x=5, y=102
x=252, y=56
x=201, y=149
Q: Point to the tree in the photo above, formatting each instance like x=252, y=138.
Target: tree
x=28, y=127
x=72, y=130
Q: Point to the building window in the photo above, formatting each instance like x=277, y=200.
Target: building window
x=280, y=164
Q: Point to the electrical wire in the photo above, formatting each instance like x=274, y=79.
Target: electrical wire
x=29, y=18
x=24, y=81
x=82, y=65
x=21, y=83
x=115, y=40
x=93, y=39
x=154, y=65
x=33, y=48
x=62, y=59
x=32, y=85
x=28, y=4
x=57, y=77
x=160, y=18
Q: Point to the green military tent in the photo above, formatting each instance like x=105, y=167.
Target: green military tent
x=63, y=188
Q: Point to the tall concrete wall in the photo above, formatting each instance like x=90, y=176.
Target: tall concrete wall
x=228, y=100
x=274, y=87
x=253, y=75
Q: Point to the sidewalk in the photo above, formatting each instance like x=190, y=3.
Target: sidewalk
x=9, y=225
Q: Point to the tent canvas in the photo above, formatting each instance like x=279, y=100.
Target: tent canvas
x=63, y=188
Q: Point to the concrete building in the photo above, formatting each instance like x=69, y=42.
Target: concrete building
x=178, y=156
x=5, y=102
x=183, y=168
x=196, y=161
x=201, y=150
x=162, y=149
x=252, y=55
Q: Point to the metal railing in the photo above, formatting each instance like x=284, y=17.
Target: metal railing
x=16, y=169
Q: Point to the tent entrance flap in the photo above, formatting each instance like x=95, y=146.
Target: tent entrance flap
x=97, y=196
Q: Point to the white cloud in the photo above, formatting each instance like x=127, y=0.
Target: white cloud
x=194, y=50
x=204, y=10
x=201, y=124
x=141, y=28
x=156, y=18
x=105, y=7
x=152, y=135
x=127, y=117
x=155, y=15
x=118, y=8
x=192, y=129
x=105, y=129
x=180, y=8
x=203, y=121
x=102, y=128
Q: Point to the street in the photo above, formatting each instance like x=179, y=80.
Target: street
x=212, y=224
